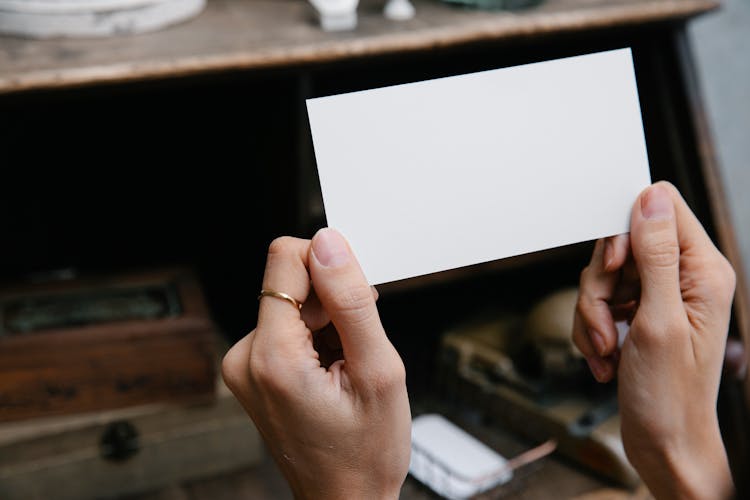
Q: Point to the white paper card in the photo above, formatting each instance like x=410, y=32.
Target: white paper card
x=446, y=173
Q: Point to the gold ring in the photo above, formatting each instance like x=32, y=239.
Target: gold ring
x=280, y=295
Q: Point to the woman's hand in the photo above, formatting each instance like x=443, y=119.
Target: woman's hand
x=675, y=288
x=338, y=432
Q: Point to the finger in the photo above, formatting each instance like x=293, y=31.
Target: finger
x=346, y=296
x=656, y=251
x=286, y=271
x=315, y=317
x=596, y=288
x=628, y=286
x=712, y=276
x=581, y=338
x=313, y=314
x=618, y=258
x=601, y=368
x=616, y=251
x=235, y=366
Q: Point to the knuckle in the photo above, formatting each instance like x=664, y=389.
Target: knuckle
x=281, y=246
x=583, y=302
x=663, y=331
x=389, y=379
x=723, y=281
x=661, y=252
x=356, y=303
x=583, y=278
x=399, y=373
x=270, y=375
x=581, y=298
x=718, y=280
x=233, y=371
x=260, y=370
x=580, y=302
x=730, y=276
x=587, y=306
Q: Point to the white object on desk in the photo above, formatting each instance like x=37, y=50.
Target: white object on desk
x=451, y=462
x=92, y=18
x=446, y=173
x=399, y=10
x=336, y=15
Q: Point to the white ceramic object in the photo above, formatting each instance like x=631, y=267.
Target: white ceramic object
x=399, y=10
x=452, y=462
x=336, y=15
x=92, y=18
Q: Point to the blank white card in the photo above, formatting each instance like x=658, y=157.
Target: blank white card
x=446, y=173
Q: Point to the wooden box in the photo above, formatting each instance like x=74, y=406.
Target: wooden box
x=125, y=451
x=93, y=344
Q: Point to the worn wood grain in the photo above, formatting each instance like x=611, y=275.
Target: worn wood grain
x=62, y=458
x=255, y=34
x=112, y=364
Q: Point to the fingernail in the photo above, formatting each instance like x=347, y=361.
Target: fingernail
x=656, y=203
x=330, y=248
x=598, y=340
x=598, y=368
x=609, y=253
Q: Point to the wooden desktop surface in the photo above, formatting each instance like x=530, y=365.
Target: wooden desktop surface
x=254, y=34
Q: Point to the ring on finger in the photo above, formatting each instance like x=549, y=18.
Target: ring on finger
x=280, y=295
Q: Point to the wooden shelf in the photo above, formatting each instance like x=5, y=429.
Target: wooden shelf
x=256, y=34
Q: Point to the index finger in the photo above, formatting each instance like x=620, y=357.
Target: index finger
x=286, y=272
x=597, y=286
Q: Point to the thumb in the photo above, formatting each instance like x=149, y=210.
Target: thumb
x=348, y=299
x=656, y=251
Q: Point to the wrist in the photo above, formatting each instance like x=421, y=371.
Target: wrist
x=700, y=471
x=347, y=491
x=704, y=475
x=348, y=494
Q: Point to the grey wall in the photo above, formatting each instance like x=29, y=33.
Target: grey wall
x=721, y=44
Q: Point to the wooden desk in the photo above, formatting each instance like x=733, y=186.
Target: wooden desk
x=257, y=34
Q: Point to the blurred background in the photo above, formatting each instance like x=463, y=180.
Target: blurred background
x=725, y=87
